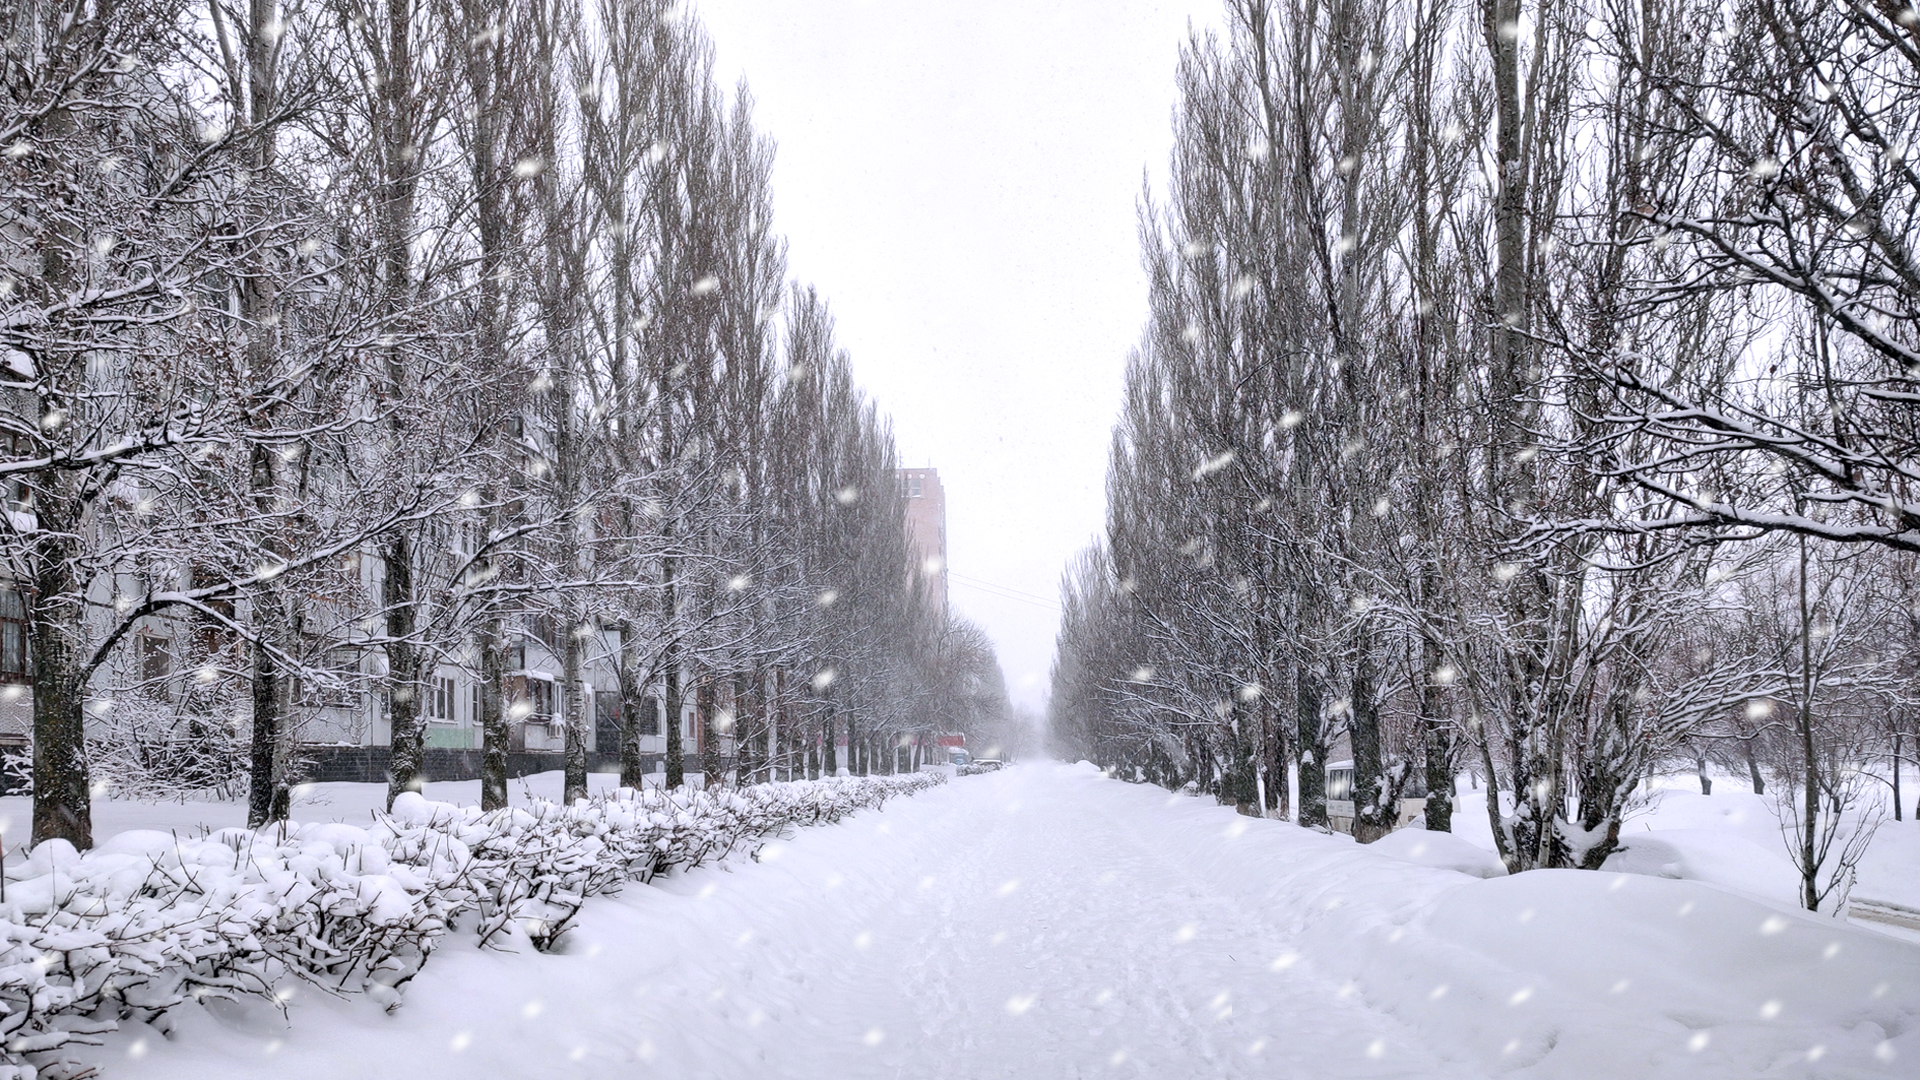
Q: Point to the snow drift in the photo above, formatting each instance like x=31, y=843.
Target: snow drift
x=150, y=920
x=1562, y=973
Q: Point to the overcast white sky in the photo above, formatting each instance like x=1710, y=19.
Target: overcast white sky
x=960, y=180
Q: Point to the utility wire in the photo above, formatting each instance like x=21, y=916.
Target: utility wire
x=1002, y=592
x=1006, y=588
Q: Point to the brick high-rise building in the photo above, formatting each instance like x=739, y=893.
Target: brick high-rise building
x=927, y=529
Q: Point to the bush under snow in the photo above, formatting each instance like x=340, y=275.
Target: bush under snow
x=150, y=920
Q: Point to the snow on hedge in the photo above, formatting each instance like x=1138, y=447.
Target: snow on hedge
x=149, y=920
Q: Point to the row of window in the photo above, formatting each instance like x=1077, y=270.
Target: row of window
x=156, y=663
x=542, y=700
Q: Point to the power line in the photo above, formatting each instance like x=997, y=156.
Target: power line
x=1009, y=596
x=1002, y=592
x=1005, y=588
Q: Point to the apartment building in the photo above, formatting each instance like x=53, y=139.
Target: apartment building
x=186, y=667
x=927, y=530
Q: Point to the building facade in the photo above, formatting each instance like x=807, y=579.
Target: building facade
x=927, y=530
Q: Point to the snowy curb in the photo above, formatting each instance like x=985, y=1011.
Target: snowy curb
x=149, y=920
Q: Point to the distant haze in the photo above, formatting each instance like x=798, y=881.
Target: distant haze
x=961, y=181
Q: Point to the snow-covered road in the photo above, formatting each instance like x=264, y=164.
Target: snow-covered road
x=1044, y=922
x=1016, y=927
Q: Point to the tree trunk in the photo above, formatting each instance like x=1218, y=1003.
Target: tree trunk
x=712, y=770
x=484, y=70
x=495, y=736
x=62, y=806
x=779, y=731
x=1531, y=734
x=1502, y=840
x=1312, y=752
x=268, y=799
x=830, y=755
x=632, y=768
x=1896, y=772
x=1372, y=817
x=575, y=757
x=1810, y=765
x=266, y=788
x=749, y=737
x=676, y=747
x=406, y=763
x=400, y=166
x=1436, y=741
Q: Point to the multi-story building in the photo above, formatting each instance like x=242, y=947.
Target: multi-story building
x=927, y=530
x=339, y=707
x=534, y=697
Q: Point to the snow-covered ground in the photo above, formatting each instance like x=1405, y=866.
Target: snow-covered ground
x=1048, y=922
x=1730, y=838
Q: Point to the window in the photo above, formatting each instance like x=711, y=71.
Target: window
x=606, y=721
x=606, y=708
x=212, y=628
x=649, y=720
x=336, y=683
x=18, y=446
x=540, y=699
x=1340, y=784
x=913, y=487
x=474, y=697
x=440, y=701
x=14, y=655
x=156, y=659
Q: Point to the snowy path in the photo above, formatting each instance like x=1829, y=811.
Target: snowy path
x=1023, y=930
x=1046, y=923
x=1002, y=926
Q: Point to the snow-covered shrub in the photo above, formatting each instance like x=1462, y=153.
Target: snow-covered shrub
x=151, y=749
x=528, y=871
x=146, y=747
x=149, y=920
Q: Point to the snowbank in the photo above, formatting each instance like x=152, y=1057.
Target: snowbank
x=149, y=920
x=1573, y=974
x=1732, y=839
x=1443, y=851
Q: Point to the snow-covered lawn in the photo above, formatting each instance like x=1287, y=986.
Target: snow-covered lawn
x=1047, y=922
x=1730, y=838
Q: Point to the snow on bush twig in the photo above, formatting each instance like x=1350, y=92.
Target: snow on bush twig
x=150, y=920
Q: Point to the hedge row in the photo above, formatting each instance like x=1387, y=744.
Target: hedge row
x=148, y=920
